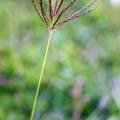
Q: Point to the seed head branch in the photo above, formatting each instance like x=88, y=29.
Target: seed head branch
x=50, y=10
x=59, y=6
x=43, y=12
x=84, y=8
x=64, y=10
x=55, y=7
x=74, y=17
x=36, y=9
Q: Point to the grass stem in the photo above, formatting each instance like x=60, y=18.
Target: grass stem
x=41, y=75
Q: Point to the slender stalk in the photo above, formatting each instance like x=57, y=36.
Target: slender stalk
x=41, y=75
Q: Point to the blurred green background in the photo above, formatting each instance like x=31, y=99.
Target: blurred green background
x=82, y=76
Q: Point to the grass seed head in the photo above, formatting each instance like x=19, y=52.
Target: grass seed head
x=56, y=13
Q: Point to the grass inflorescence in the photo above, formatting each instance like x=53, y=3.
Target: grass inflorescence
x=56, y=12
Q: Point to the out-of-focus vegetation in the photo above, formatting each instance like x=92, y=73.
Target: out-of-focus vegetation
x=82, y=76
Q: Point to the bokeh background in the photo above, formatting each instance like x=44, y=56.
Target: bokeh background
x=82, y=76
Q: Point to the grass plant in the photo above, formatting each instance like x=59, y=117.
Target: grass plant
x=51, y=22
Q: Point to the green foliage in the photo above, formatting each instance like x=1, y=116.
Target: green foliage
x=87, y=49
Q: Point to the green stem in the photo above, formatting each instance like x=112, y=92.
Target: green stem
x=41, y=75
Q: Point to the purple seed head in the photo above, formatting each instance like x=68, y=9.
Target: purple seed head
x=56, y=13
